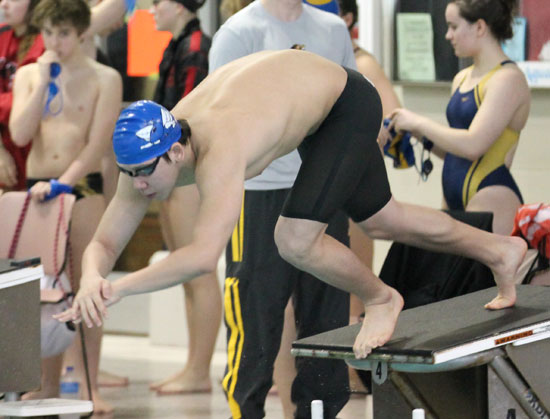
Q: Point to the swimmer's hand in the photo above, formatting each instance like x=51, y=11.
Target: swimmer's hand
x=91, y=302
x=44, y=191
x=404, y=120
x=384, y=137
x=44, y=64
x=57, y=188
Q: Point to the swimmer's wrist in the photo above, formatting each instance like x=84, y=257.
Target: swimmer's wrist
x=420, y=126
x=57, y=188
x=119, y=289
x=60, y=179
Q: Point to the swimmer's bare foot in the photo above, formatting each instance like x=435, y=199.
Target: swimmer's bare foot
x=43, y=393
x=378, y=324
x=158, y=384
x=184, y=382
x=101, y=407
x=108, y=379
x=504, y=271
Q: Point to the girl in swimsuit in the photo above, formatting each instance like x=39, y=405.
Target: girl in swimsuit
x=488, y=108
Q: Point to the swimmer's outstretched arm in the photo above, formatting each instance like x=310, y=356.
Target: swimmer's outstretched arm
x=118, y=224
x=220, y=179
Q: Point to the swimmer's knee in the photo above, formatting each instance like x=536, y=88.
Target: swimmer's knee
x=294, y=242
x=286, y=241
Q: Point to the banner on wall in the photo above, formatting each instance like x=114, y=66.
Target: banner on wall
x=145, y=44
x=415, y=55
x=447, y=63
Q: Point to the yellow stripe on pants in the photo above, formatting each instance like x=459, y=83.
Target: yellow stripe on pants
x=237, y=238
x=235, y=345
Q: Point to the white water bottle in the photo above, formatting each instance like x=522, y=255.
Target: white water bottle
x=69, y=388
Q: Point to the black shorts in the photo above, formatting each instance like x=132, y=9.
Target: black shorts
x=342, y=166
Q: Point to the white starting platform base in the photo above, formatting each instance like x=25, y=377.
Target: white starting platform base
x=45, y=407
x=456, y=360
x=20, y=343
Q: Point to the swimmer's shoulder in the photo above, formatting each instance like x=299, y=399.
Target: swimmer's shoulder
x=27, y=71
x=103, y=70
x=107, y=76
x=26, y=77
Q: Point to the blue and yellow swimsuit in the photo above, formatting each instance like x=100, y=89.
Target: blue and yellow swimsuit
x=462, y=178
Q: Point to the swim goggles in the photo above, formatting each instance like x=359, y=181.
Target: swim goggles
x=146, y=170
x=53, y=91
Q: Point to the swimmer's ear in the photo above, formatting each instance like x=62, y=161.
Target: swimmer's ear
x=177, y=152
x=481, y=27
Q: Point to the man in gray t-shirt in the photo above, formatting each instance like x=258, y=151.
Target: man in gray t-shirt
x=259, y=283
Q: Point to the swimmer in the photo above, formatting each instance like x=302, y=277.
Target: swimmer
x=69, y=127
x=223, y=133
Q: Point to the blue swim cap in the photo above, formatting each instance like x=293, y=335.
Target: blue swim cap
x=143, y=131
x=326, y=5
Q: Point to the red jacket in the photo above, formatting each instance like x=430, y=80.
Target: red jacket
x=184, y=65
x=9, y=45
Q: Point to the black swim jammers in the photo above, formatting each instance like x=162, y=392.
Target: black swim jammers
x=342, y=166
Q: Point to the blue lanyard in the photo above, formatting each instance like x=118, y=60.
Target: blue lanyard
x=53, y=91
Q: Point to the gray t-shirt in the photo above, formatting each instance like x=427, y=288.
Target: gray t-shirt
x=253, y=29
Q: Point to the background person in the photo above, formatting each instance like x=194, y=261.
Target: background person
x=69, y=162
x=489, y=107
x=20, y=44
x=184, y=65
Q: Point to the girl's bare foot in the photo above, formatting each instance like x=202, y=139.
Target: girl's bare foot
x=182, y=383
x=44, y=393
x=505, y=273
x=101, y=407
x=108, y=379
x=379, y=324
x=175, y=377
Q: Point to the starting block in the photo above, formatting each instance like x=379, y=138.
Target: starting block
x=455, y=359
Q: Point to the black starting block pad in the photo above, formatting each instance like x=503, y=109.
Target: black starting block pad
x=446, y=330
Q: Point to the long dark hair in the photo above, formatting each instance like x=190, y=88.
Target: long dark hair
x=30, y=34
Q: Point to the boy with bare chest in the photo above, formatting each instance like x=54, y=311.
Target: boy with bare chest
x=66, y=105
